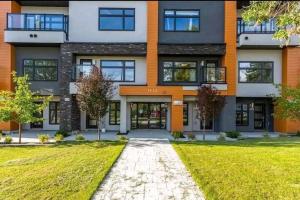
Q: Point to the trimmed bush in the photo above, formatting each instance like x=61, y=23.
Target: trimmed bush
x=62, y=132
x=59, y=138
x=177, y=135
x=191, y=136
x=298, y=133
x=222, y=137
x=122, y=138
x=233, y=134
x=266, y=135
x=43, y=138
x=8, y=139
x=79, y=137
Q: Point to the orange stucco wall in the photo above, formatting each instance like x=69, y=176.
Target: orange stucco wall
x=290, y=77
x=7, y=55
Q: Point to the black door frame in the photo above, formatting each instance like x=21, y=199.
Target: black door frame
x=148, y=113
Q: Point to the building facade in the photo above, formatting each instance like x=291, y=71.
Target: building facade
x=157, y=52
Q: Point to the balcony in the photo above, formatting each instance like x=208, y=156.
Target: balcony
x=80, y=71
x=36, y=28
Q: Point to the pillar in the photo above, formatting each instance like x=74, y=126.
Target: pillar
x=123, y=115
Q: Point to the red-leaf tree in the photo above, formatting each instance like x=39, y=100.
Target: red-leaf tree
x=94, y=93
x=209, y=104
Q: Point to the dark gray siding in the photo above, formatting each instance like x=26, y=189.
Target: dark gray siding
x=44, y=87
x=211, y=22
x=226, y=119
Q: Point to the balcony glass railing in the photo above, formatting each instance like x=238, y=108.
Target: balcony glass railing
x=214, y=75
x=265, y=27
x=80, y=71
x=37, y=22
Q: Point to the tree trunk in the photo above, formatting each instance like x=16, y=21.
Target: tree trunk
x=98, y=129
x=20, y=133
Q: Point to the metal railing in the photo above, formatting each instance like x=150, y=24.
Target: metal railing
x=214, y=75
x=267, y=27
x=37, y=22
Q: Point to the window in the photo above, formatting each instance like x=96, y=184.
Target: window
x=185, y=114
x=123, y=71
x=242, y=114
x=54, y=110
x=182, y=20
x=114, y=113
x=91, y=122
x=40, y=70
x=116, y=19
x=213, y=73
x=256, y=72
x=179, y=71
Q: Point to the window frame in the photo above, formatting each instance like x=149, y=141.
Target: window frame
x=187, y=116
x=174, y=17
x=242, y=111
x=123, y=69
x=261, y=69
x=57, y=105
x=123, y=18
x=173, y=68
x=34, y=68
x=115, y=111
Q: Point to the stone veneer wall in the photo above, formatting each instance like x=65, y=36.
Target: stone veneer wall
x=69, y=119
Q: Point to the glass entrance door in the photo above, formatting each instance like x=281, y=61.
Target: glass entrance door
x=148, y=116
x=259, y=116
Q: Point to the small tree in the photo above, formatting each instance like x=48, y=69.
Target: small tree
x=209, y=103
x=94, y=93
x=288, y=103
x=21, y=106
x=286, y=13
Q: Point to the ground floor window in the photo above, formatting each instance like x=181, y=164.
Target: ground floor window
x=185, y=114
x=259, y=116
x=54, y=110
x=208, y=124
x=242, y=114
x=114, y=113
x=91, y=122
x=38, y=124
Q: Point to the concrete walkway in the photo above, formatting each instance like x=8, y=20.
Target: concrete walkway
x=148, y=169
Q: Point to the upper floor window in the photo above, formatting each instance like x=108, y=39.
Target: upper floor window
x=116, y=19
x=40, y=69
x=179, y=71
x=119, y=70
x=256, y=72
x=182, y=20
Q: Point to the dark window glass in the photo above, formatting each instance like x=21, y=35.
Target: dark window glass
x=179, y=71
x=116, y=19
x=256, y=72
x=54, y=110
x=119, y=70
x=114, y=113
x=40, y=70
x=185, y=114
x=182, y=20
x=242, y=113
x=91, y=122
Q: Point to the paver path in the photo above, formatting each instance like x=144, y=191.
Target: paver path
x=148, y=169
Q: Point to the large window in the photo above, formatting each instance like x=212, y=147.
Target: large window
x=255, y=72
x=179, y=71
x=40, y=69
x=116, y=19
x=185, y=114
x=119, y=70
x=182, y=20
x=114, y=113
x=242, y=114
x=54, y=110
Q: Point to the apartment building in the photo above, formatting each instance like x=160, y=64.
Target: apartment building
x=158, y=53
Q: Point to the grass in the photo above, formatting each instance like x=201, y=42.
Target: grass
x=71, y=170
x=249, y=169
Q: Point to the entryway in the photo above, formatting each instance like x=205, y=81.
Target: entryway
x=148, y=115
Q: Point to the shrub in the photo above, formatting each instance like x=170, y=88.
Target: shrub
x=191, y=136
x=8, y=139
x=222, y=137
x=62, y=132
x=266, y=135
x=122, y=138
x=43, y=138
x=59, y=137
x=79, y=137
x=298, y=133
x=177, y=134
x=233, y=134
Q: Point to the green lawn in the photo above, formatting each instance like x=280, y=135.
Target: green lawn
x=64, y=171
x=250, y=169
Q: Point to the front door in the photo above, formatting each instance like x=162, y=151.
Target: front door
x=259, y=116
x=148, y=116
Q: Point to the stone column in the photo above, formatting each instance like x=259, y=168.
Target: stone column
x=123, y=114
